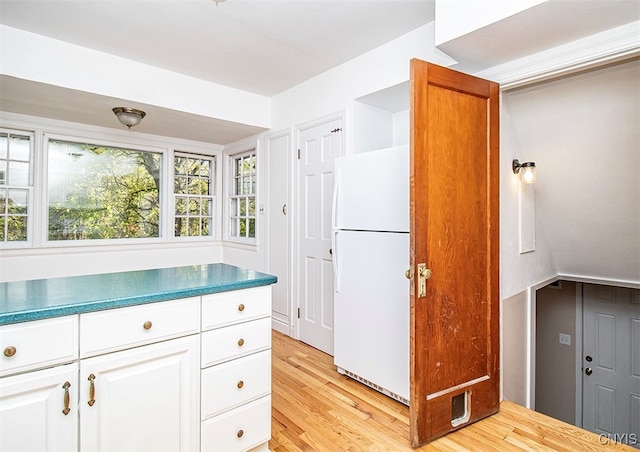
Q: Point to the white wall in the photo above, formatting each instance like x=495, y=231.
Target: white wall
x=451, y=24
x=514, y=349
x=34, y=57
x=333, y=91
x=52, y=263
x=518, y=271
x=582, y=132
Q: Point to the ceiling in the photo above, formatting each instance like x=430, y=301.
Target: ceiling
x=263, y=47
x=260, y=46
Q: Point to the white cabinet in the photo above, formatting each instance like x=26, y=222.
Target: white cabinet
x=38, y=344
x=145, y=394
x=180, y=375
x=236, y=370
x=38, y=388
x=38, y=410
x=145, y=398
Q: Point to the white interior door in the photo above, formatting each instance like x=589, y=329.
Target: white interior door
x=611, y=362
x=318, y=147
x=278, y=151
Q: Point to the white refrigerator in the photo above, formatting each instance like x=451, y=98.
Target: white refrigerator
x=370, y=227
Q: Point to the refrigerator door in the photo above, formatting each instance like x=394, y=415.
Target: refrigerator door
x=372, y=191
x=371, y=328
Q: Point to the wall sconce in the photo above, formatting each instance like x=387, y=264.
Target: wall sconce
x=129, y=116
x=527, y=171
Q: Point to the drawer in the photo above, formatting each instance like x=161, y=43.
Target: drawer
x=239, y=429
x=117, y=329
x=226, y=308
x=234, y=383
x=36, y=344
x=235, y=341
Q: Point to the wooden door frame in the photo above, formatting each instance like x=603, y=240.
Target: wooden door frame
x=295, y=211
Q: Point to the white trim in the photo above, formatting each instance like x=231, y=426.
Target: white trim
x=579, y=344
x=279, y=324
x=530, y=390
x=250, y=147
x=295, y=202
x=609, y=46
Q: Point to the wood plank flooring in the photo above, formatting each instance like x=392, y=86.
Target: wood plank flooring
x=314, y=408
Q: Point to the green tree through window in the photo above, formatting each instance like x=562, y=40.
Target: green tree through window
x=243, y=197
x=101, y=192
x=193, y=190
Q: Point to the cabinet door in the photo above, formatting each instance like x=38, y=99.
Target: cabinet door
x=146, y=398
x=32, y=410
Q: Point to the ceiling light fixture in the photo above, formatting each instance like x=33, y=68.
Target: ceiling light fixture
x=527, y=171
x=129, y=116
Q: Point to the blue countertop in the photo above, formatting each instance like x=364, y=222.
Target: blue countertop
x=43, y=298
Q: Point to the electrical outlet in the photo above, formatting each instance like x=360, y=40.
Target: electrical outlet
x=565, y=339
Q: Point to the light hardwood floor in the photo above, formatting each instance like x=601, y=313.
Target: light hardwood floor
x=316, y=409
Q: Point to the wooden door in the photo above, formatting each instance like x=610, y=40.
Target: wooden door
x=611, y=362
x=319, y=146
x=454, y=186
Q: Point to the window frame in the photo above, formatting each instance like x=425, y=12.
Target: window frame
x=231, y=196
x=98, y=141
x=40, y=131
x=30, y=187
x=215, y=188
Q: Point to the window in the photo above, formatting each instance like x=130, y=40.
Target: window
x=102, y=192
x=243, y=196
x=193, y=195
x=15, y=186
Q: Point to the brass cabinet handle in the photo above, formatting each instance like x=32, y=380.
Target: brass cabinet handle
x=240, y=384
x=240, y=307
x=240, y=342
x=66, y=398
x=240, y=433
x=10, y=351
x=147, y=325
x=92, y=390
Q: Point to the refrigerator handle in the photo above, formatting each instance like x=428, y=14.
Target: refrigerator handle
x=334, y=203
x=334, y=232
x=336, y=272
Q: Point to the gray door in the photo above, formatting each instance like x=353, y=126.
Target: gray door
x=611, y=362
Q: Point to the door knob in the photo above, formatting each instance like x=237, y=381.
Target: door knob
x=588, y=371
x=407, y=274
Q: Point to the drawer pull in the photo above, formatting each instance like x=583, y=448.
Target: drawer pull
x=240, y=342
x=66, y=398
x=240, y=433
x=147, y=325
x=241, y=307
x=240, y=384
x=10, y=351
x=92, y=390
